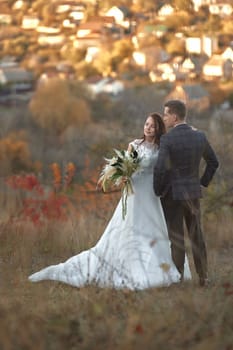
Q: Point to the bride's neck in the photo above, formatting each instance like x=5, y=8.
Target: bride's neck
x=151, y=141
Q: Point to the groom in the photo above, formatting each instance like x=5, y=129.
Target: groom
x=176, y=180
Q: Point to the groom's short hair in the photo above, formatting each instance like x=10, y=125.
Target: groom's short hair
x=177, y=107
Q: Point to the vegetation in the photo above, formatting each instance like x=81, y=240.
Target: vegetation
x=49, y=212
x=58, y=316
x=57, y=111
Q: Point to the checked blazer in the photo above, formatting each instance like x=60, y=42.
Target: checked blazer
x=177, y=168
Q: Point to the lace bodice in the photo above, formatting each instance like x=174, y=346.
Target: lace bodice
x=148, y=152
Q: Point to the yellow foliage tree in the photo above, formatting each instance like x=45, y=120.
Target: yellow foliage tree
x=14, y=154
x=55, y=106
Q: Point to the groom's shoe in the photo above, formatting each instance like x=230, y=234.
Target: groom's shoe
x=181, y=279
x=204, y=282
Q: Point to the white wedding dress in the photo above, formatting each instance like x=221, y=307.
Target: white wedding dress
x=133, y=253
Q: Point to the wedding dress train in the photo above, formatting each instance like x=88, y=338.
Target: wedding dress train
x=133, y=253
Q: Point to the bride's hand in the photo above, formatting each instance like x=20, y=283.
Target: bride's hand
x=124, y=179
x=99, y=187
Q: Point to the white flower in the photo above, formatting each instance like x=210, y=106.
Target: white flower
x=118, y=172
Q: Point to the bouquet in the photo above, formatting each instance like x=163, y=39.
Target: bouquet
x=118, y=172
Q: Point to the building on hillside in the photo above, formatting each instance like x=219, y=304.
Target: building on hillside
x=149, y=57
x=51, y=40
x=194, y=95
x=48, y=30
x=122, y=16
x=18, y=5
x=120, y=13
x=16, y=79
x=108, y=85
x=90, y=28
x=201, y=45
x=222, y=9
x=218, y=67
x=5, y=18
x=94, y=32
x=91, y=53
x=30, y=22
x=166, y=11
x=228, y=54
x=199, y=3
x=87, y=41
x=61, y=70
x=8, y=62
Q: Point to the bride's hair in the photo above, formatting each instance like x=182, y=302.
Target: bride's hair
x=159, y=126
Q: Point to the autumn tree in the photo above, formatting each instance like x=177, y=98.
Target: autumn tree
x=56, y=105
x=123, y=49
x=69, y=52
x=176, y=21
x=213, y=24
x=103, y=63
x=228, y=26
x=176, y=47
x=183, y=5
x=15, y=155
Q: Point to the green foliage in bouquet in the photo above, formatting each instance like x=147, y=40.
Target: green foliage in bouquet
x=118, y=172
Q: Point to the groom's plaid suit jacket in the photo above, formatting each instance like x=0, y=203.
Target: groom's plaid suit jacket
x=177, y=168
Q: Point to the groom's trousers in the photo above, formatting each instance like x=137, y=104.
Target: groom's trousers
x=178, y=212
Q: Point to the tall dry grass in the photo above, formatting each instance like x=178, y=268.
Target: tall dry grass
x=54, y=316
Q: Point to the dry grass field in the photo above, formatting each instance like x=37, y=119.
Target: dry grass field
x=55, y=316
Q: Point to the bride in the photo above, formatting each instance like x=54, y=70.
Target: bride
x=134, y=252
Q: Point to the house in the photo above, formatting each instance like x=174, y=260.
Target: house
x=89, y=28
x=218, y=67
x=107, y=21
x=87, y=41
x=193, y=45
x=188, y=65
x=62, y=8
x=201, y=45
x=228, y=54
x=91, y=33
x=5, y=18
x=77, y=15
x=121, y=15
x=8, y=62
x=68, y=23
x=30, y=22
x=165, y=11
x=91, y=53
x=194, y=95
x=16, y=79
x=51, y=40
x=50, y=36
x=166, y=71
x=61, y=70
x=106, y=85
x=18, y=5
x=149, y=57
x=48, y=30
x=198, y=3
x=198, y=61
x=222, y=9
